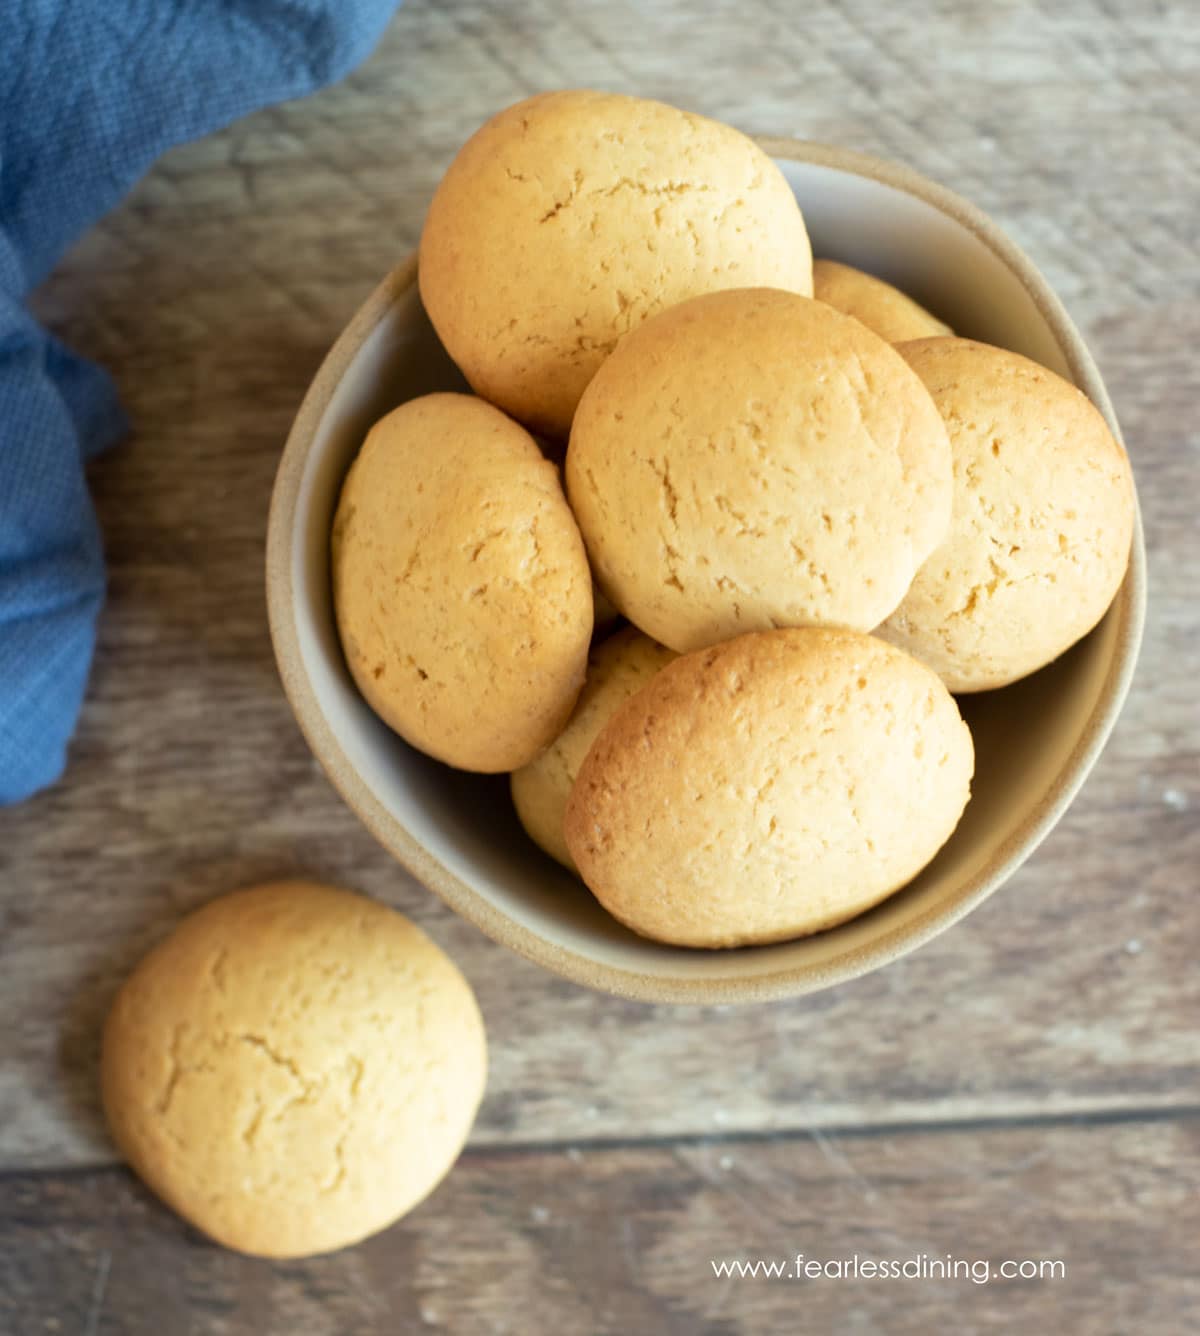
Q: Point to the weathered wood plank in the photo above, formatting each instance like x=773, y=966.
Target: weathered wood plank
x=213, y=292
x=586, y=1243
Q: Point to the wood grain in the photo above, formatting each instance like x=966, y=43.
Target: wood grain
x=212, y=293
x=585, y=1243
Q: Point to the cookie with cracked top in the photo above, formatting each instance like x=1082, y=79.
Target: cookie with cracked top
x=569, y=218
x=1042, y=522
x=460, y=584
x=775, y=785
x=294, y=1068
x=754, y=458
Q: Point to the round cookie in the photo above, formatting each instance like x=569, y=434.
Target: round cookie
x=892, y=314
x=293, y=1068
x=772, y=786
x=460, y=584
x=1043, y=519
x=619, y=666
x=752, y=459
x=570, y=217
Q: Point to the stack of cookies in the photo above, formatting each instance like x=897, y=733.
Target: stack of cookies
x=817, y=512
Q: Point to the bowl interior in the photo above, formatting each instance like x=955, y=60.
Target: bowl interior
x=1034, y=741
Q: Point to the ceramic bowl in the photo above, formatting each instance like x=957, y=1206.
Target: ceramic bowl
x=1035, y=741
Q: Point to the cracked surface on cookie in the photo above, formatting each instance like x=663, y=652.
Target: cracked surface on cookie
x=769, y=787
x=293, y=1068
x=1042, y=519
x=461, y=585
x=570, y=218
x=753, y=459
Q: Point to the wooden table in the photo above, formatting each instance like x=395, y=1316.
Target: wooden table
x=1024, y=1087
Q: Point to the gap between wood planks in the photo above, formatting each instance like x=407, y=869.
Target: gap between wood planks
x=1182, y=1113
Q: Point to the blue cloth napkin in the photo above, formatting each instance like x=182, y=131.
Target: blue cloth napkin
x=91, y=92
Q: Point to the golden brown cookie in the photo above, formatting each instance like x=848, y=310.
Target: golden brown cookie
x=751, y=459
x=767, y=788
x=619, y=666
x=293, y=1068
x=892, y=314
x=1043, y=519
x=570, y=217
x=461, y=585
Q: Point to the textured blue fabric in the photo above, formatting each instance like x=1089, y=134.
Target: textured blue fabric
x=91, y=92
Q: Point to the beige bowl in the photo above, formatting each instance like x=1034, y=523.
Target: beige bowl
x=1035, y=741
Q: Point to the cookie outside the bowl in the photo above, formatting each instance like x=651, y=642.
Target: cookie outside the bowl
x=293, y=1068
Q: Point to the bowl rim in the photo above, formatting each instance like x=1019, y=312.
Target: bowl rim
x=1129, y=606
